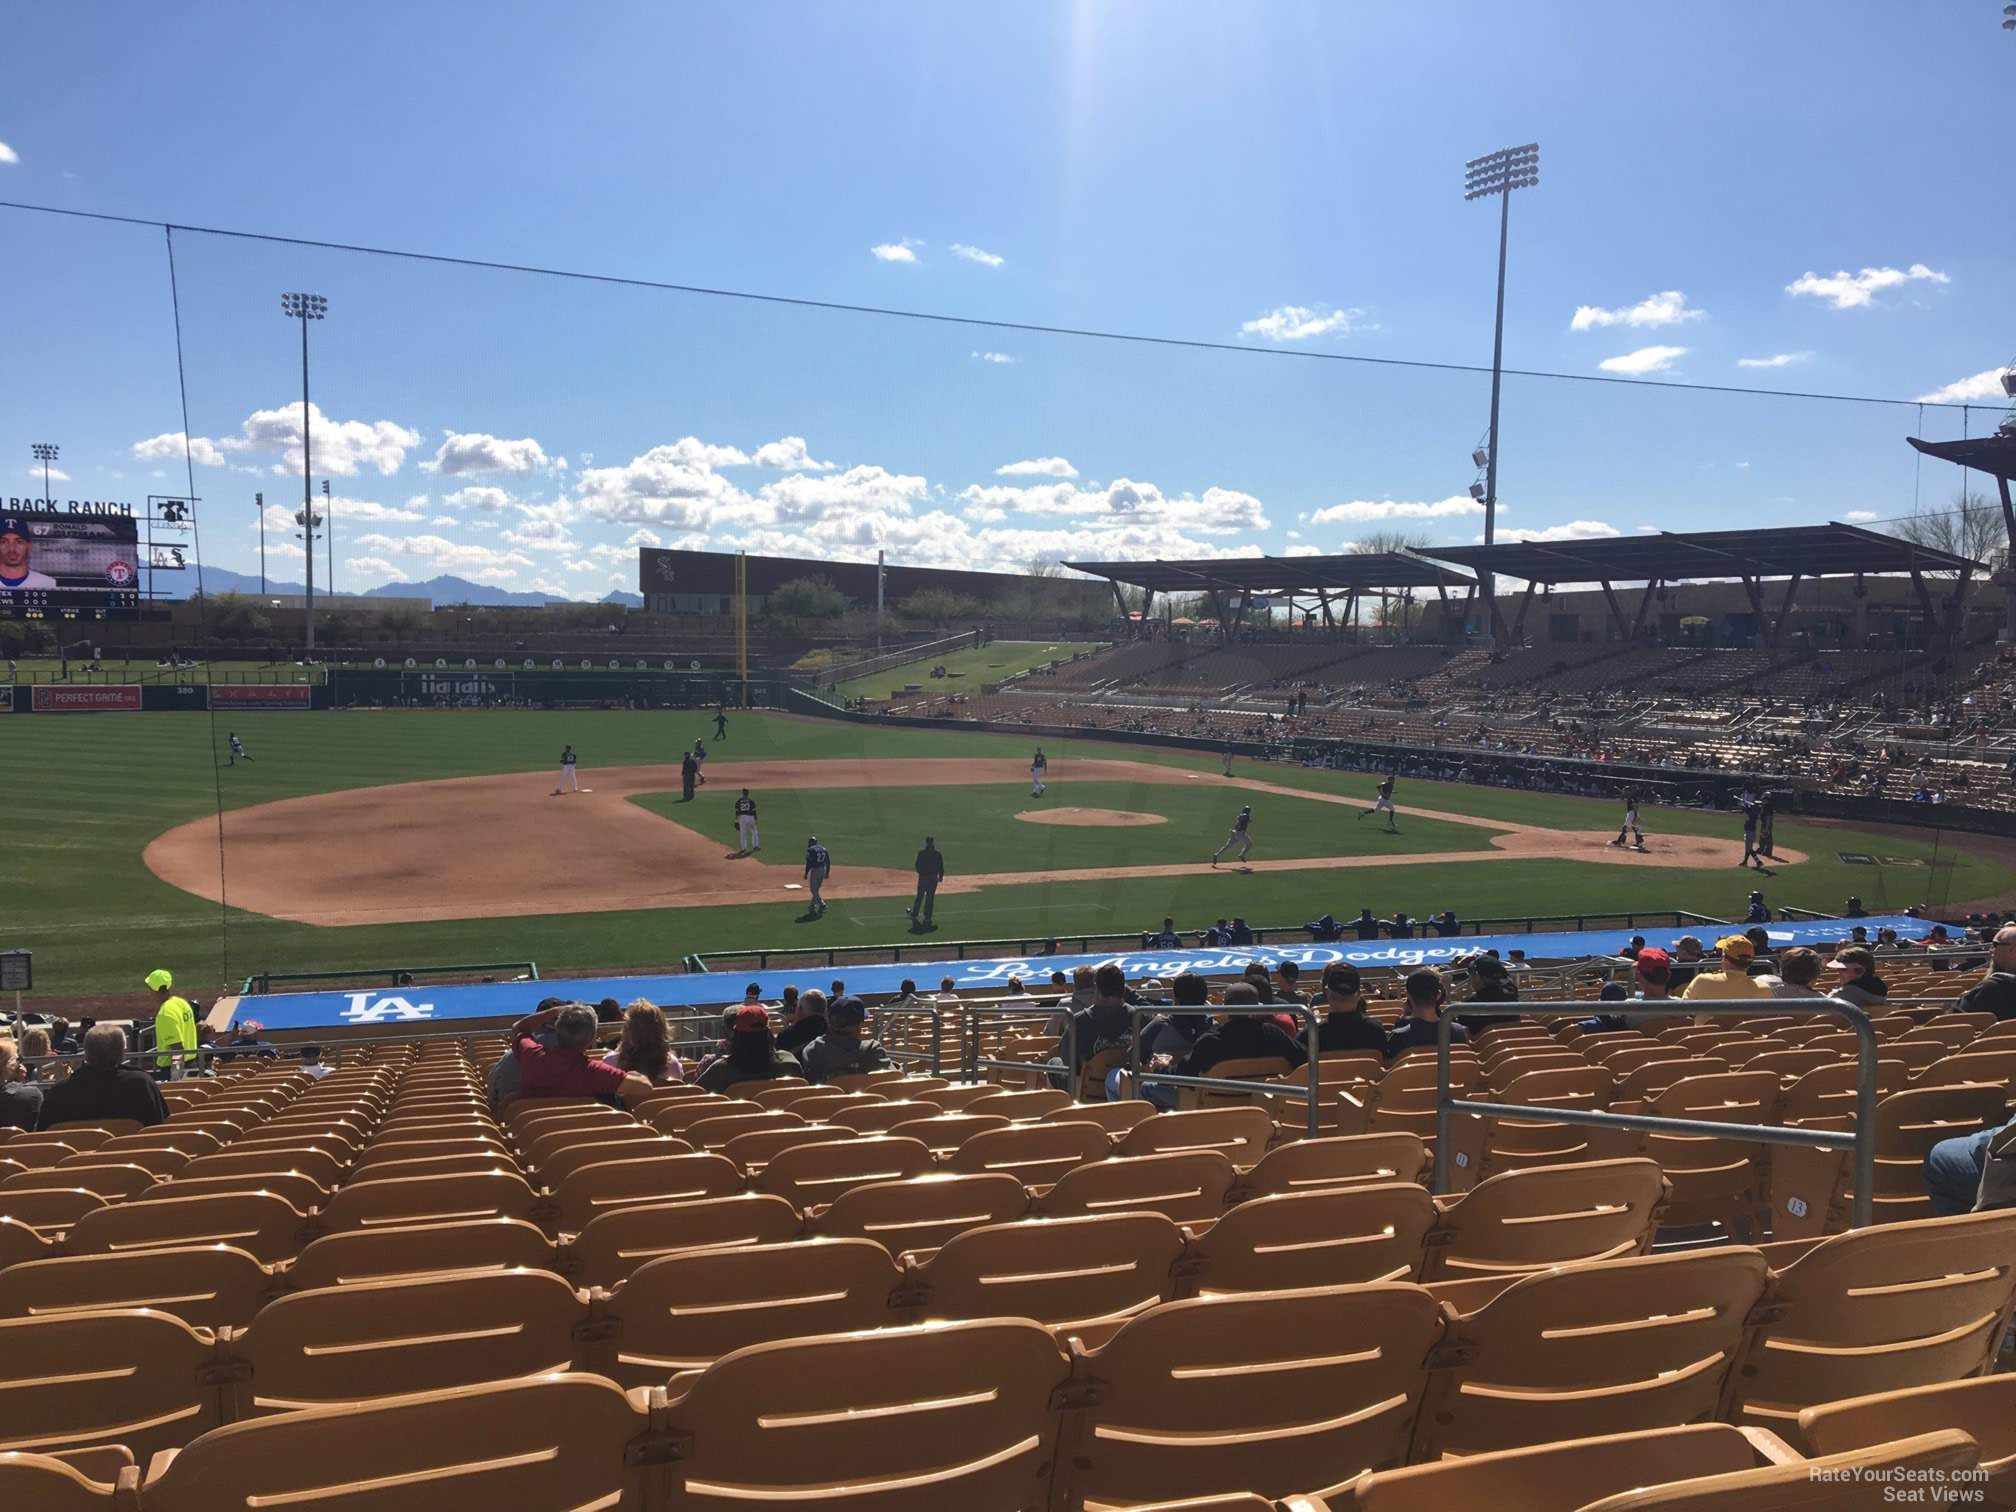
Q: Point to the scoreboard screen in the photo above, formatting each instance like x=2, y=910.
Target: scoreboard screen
x=56, y=562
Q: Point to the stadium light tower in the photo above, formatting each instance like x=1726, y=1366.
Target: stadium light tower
x=45, y=453
x=1497, y=173
x=304, y=308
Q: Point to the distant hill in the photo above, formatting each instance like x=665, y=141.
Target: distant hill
x=444, y=591
x=627, y=600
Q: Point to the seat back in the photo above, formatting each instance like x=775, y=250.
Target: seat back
x=135, y=1378
x=1070, y=1274
x=1347, y=1160
x=1021, y=1107
x=946, y=1132
x=749, y=1153
x=265, y=1226
x=1984, y=1409
x=1836, y=1483
x=498, y=1193
x=870, y=1115
x=1324, y=1237
x=810, y=1176
x=640, y=1181
x=389, y=1254
x=613, y=1245
x=924, y=1212
x=1035, y=1154
x=1240, y=1134
x=1715, y=1180
x=1526, y=1221
x=212, y=1286
x=1116, y=1118
x=1184, y=1187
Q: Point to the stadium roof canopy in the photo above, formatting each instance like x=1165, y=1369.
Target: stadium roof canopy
x=1789, y=551
x=1993, y=454
x=1359, y=573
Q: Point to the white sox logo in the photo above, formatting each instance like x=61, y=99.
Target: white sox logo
x=363, y=1011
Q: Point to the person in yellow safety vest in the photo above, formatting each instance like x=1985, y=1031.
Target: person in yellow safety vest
x=174, y=1026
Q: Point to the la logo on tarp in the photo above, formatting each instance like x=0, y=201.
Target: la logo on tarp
x=363, y=1011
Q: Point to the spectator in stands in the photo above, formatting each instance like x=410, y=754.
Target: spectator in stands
x=1242, y=933
x=1859, y=982
x=563, y=1068
x=1996, y=992
x=752, y=995
x=1687, y=959
x=1241, y=1036
x=1629, y=950
x=1082, y=991
x=245, y=1041
x=1059, y=984
x=806, y=1018
x=1288, y=988
x=1973, y=1173
x=101, y=1087
x=1102, y=1024
x=1426, y=994
x=752, y=1054
x=1365, y=924
x=503, y=1082
x=1400, y=927
x=1760, y=943
x=1855, y=910
x=1653, y=972
x=845, y=1048
x=1017, y=997
x=646, y=1047
x=1798, y=970
x=1345, y=1024
x=1165, y=939
x=1167, y=1039
x=36, y=1046
x=20, y=1099
x=608, y=1011
x=1733, y=980
x=174, y=1028
x=1515, y=960
x=61, y=1040
x=1325, y=929
x=311, y=1062
x=1447, y=924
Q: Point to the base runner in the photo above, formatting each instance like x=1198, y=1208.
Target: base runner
x=1241, y=836
x=745, y=824
x=1383, y=803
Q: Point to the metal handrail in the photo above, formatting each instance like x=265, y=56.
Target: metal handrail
x=1313, y=1092
x=972, y=1062
x=260, y=984
x=1862, y=1141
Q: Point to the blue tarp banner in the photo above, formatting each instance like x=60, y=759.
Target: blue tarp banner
x=388, y=1008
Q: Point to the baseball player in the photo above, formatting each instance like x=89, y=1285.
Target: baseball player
x=15, y=546
x=818, y=863
x=1384, y=803
x=1630, y=824
x=1240, y=836
x=237, y=748
x=1038, y=765
x=721, y=723
x=745, y=824
x=699, y=762
x=1225, y=758
x=1752, y=811
x=568, y=776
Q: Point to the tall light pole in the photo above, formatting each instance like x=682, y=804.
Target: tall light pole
x=45, y=453
x=1497, y=173
x=329, y=538
x=304, y=308
x=259, y=503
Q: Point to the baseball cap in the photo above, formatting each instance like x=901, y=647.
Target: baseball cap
x=251, y=1026
x=847, y=1012
x=9, y=525
x=748, y=1020
x=1736, y=947
x=1654, y=957
x=157, y=979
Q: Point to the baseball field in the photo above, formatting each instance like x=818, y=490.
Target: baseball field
x=353, y=840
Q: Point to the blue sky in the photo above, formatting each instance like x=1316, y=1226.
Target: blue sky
x=1802, y=185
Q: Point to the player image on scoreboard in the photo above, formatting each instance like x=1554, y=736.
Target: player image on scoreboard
x=50, y=560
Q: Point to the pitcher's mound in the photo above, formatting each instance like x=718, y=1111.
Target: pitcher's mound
x=1088, y=817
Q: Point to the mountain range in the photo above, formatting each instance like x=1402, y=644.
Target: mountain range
x=444, y=591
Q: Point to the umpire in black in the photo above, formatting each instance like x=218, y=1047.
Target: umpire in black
x=930, y=872
x=689, y=771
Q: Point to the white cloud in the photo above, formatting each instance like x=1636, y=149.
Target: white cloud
x=169, y=444
x=974, y=254
x=1780, y=359
x=1038, y=467
x=477, y=496
x=673, y=485
x=1859, y=516
x=1652, y=359
x=1574, y=530
x=788, y=452
x=444, y=520
x=1304, y=551
x=371, y=566
x=54, y=475
x=1847, y=291
x=1300, y=322
x=444, y=555
x=348, y=511
x=8, y=154
x=1361, y=511
x=893, y=252
x=1741, y=465
x=1986, y=384
x=1121, y=503
x=542, y=525
x=999, y=359
x=341, y=446
x=859, y=490
x=475, y=452
x=638, y=538
x=287, y=550
x=1648, y=530
x=1666, y=308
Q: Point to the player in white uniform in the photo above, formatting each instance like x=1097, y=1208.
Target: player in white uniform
x=238, y=749
x=745, y=824
x=1383, y=803
x=568, y=777
x=1241, y=836
x=1630, y=824
x=1038, y=765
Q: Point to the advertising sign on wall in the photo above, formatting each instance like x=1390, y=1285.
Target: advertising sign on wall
x=122, y=699
x=261, y=696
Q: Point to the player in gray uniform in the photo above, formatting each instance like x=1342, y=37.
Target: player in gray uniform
x=818, y=863
x=1241, y=836
x=1384, y=803
x=568, y=776
x=1039, y=764
x=1630, y=824
x=745, y=824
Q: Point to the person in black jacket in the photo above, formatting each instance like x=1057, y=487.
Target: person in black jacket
x=805, y=1016
x=930, y=872
x=1346, y=1025
x=101, y=1087
x=1323, y=930
x=1426, y=994
x=1242, y=1036
x=1996, y=992
x=1366, y=925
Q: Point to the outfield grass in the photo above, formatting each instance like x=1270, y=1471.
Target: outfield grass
x=87, y=792
x=970, y=669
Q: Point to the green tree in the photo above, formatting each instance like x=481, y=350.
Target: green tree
x=807, y=598
x=233, y=617
x=396, y=624
x=940, y=606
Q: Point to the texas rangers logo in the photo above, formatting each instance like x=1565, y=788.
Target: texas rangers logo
x=119, y=574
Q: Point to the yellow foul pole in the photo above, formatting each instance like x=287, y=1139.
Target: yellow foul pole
x=742, y=621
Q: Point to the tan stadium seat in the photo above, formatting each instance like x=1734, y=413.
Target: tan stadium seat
x=21, y=1242
x=826, y=1101
x=536, y=1152
x=423, y=1147
x=677, y=1116
x=557, y=1167
x=1021, y=1107
x=1075, y=1275
x=10, y=1169
x=428, y=1333
x=50, y=1209
x=290, y=1146
x=1952, y=1031
x=1634, y=1090
x=1308, y=1165
x=615, y=1244
x=867, y=1081
x=946, y=1132
x=1035, y=1154
x=877, y=1116
x=640, y=1181
x=212, y=1286
x=159, y=1162
x=553, y=1443
x=498, y=1193
x=967, y=1407
x=528, y=1115
x=784, y=1094
x=1984, y=1409
x=49, y=1484
x=1526, y=1221
x=111, y=1183
x=1184, y=1187
x=683, y=1311
x=1614, y=1347
x=669, y=1092
x=812, y=1175
x=714, y=1133
x=1880, y=1309
x=384, y=1254
x=168, y=1136
x=1852, y=1482
x=1481, y=1148
x=749, y=1153
x=923, y=1212
x=319, y=1166
x=136, y=1378
x=954, y=1099
x=1240, y=1134
x=1908, y=1124
x=1974, y=1064
x=1269, y=1392
x=417, y=1165
x=87, y=1135
x=300, y=1192
x=1116, y=1118
x=1332, y=1237
x=34, y=1152
x=1713, y=1180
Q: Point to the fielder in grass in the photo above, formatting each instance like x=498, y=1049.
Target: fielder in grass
x=568, y=777
x=1039, y=764
x=1384, y=803
x=745, y=824
x=1241, y=836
